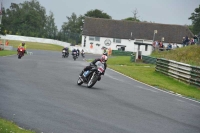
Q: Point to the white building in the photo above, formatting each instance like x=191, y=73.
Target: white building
x=131, y=36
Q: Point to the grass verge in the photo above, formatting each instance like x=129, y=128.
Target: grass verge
x=7, y=52
x=10, y=127
x=146, y=73
x=188, y=55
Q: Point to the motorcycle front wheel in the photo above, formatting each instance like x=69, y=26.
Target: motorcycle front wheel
x=92, y=80
x=79, y=81
x=20, y=55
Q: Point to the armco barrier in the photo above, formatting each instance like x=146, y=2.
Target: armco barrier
x=121, y=53
x=180, y=71
x=148, y=59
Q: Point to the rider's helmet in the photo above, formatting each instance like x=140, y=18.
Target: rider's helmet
x=104, y=58
x=23, y=43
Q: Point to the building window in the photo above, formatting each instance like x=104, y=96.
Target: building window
x=115, y=40
x=94, y=38
x=146, y=47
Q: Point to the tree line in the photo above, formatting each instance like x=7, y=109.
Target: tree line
x=30, y=19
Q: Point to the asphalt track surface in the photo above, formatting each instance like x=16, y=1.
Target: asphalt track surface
x=39, y=92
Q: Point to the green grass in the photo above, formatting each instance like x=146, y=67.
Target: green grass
x=10, y=127
x=146, y=73
x=7, y=52
x=189, y=55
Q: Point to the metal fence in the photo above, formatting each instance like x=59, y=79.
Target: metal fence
x=180, y=71
x=121, y=53
x=148, y=59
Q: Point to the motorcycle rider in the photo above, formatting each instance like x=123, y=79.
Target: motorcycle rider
x=66, y=50
x=103, y=60
x=82, y=53
x=74, y=52
x=22, y=45
x=78, y=52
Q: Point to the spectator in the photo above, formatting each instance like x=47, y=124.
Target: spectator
x=192, y=41
x=183, y=41
x=169, y=46
x=186, y=40
x=154, y=45
x=195, y=39
x=7, y=42
x=161, y=46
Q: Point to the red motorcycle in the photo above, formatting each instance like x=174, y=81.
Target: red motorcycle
x=21, y=52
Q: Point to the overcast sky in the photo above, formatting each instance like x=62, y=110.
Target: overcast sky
x=158, y=11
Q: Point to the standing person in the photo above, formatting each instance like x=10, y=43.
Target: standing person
x=7, y=42
x=183, y=41
x=161, y=46
x=186, y=40
x=195, y=39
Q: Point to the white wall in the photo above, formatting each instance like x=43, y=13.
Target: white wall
x=130, y=46
x=35, y=39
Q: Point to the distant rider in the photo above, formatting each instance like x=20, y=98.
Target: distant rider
x=66, y=50
x=82, y=52
x=78, y=52
x=22, y=45
x=74, y=52
x=103, y=60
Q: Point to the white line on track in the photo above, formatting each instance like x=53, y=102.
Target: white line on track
x=157, y=88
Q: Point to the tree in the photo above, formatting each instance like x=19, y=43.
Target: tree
x=28, y=19
x=50, y=27
x=71, y=29
x=195, y=17
x=97, y=14
x=134, y=18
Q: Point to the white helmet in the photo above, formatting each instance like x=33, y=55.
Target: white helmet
x=104, y=58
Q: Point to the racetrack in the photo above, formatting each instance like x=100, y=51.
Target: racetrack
x=39, y=92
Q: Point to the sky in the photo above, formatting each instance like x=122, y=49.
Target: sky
x=157, y=11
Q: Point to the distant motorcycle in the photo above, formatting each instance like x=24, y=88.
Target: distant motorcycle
x=21, y=52
x=83, y=54
x=93, y=75
x=74, y=54
x=65, y=54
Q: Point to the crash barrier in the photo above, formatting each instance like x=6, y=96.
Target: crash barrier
x=148, y=59
x=2, y=47
x=145, y=59
x=121, y=53
x=35, y=39
x=184, y=72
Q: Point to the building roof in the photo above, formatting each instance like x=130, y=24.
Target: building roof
x=124, y=29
